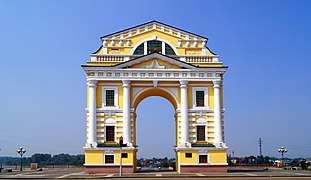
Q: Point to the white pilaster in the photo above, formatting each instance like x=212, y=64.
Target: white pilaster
x=91, y=141
x=184, y=136
x=126, y=113
x=217, y=114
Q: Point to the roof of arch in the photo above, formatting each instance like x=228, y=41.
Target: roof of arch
x=151, y=23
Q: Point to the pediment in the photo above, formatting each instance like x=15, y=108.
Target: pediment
x=151, y=26
x=155, y=61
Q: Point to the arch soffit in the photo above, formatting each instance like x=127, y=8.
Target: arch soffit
x=162, y=92
x=150, y=39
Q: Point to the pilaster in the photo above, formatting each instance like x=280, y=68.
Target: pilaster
x=184, y=139
x=126, y=113
x=217, y=114
x=91, y=141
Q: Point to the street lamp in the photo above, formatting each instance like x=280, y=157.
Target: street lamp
x=0, y=165
x=282, y=150
x=21, y=151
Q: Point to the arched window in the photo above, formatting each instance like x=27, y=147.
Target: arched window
x=139, y=50
x=169, y=50
x=154, y=46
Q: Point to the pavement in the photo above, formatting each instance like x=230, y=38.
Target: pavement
x=233, y=173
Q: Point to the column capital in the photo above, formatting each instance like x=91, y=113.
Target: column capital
x=126, y=83
x=92, y=82
x=183, y=83
x=217, y=83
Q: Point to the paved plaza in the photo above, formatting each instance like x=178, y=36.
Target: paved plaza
x=233, y=173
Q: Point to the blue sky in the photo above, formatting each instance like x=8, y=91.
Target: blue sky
x=266, y=44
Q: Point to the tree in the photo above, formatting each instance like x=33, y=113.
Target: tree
x=40, y=158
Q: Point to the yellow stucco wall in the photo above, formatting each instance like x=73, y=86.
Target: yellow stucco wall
x=218, y=156
x=94, y=156
x=183, y=160
x=149, y=62
x=99, y=96
x=126, y=161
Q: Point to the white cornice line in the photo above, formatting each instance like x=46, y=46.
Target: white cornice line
x=214, y=69
x=153, y=78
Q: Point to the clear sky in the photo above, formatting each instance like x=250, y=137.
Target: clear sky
x=266, y=44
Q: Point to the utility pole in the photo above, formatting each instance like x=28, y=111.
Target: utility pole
x=260, y=147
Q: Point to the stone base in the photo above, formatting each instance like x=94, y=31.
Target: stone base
x=203, y=169
x=108, y=169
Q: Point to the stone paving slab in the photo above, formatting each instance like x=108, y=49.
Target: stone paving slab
x=79, y=174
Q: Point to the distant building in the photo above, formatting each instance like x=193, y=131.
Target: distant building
x=155, y=59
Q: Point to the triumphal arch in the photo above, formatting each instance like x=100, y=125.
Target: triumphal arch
x=154, y=59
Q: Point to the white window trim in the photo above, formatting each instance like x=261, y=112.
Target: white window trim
x=116, y=102
x=200, y=122
x=203, y=153
x=194, y=102
x=196, y=132
x=109, y=153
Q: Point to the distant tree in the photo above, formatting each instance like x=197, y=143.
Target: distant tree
x=40, y=158
x=260, y=160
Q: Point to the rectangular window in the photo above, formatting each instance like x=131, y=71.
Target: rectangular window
x=199, y=98
x=110, y=133
x=202, y=158
x=124, y=155
x=109, y=159
x=109, y=97
x=188, y=155
x=200, y=133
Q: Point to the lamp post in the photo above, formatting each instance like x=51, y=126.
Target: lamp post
x=0, y=165
x=121, y=144
x=21, y=151
x=282, y=150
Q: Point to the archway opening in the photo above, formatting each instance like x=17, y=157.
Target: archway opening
x=156, y=134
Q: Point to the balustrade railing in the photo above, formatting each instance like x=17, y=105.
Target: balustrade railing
x=122, y=58
x=201, y=59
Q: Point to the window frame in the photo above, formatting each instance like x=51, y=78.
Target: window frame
x=116, y=103
x=188, y=155
x=106, y=158
x=194, y=98
x=140, y=48
x=124, y=155
x=196, y=129
x=144, y=44
x=207, y=158
x=114, y=133
x=156, y=44
x=168, y=48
